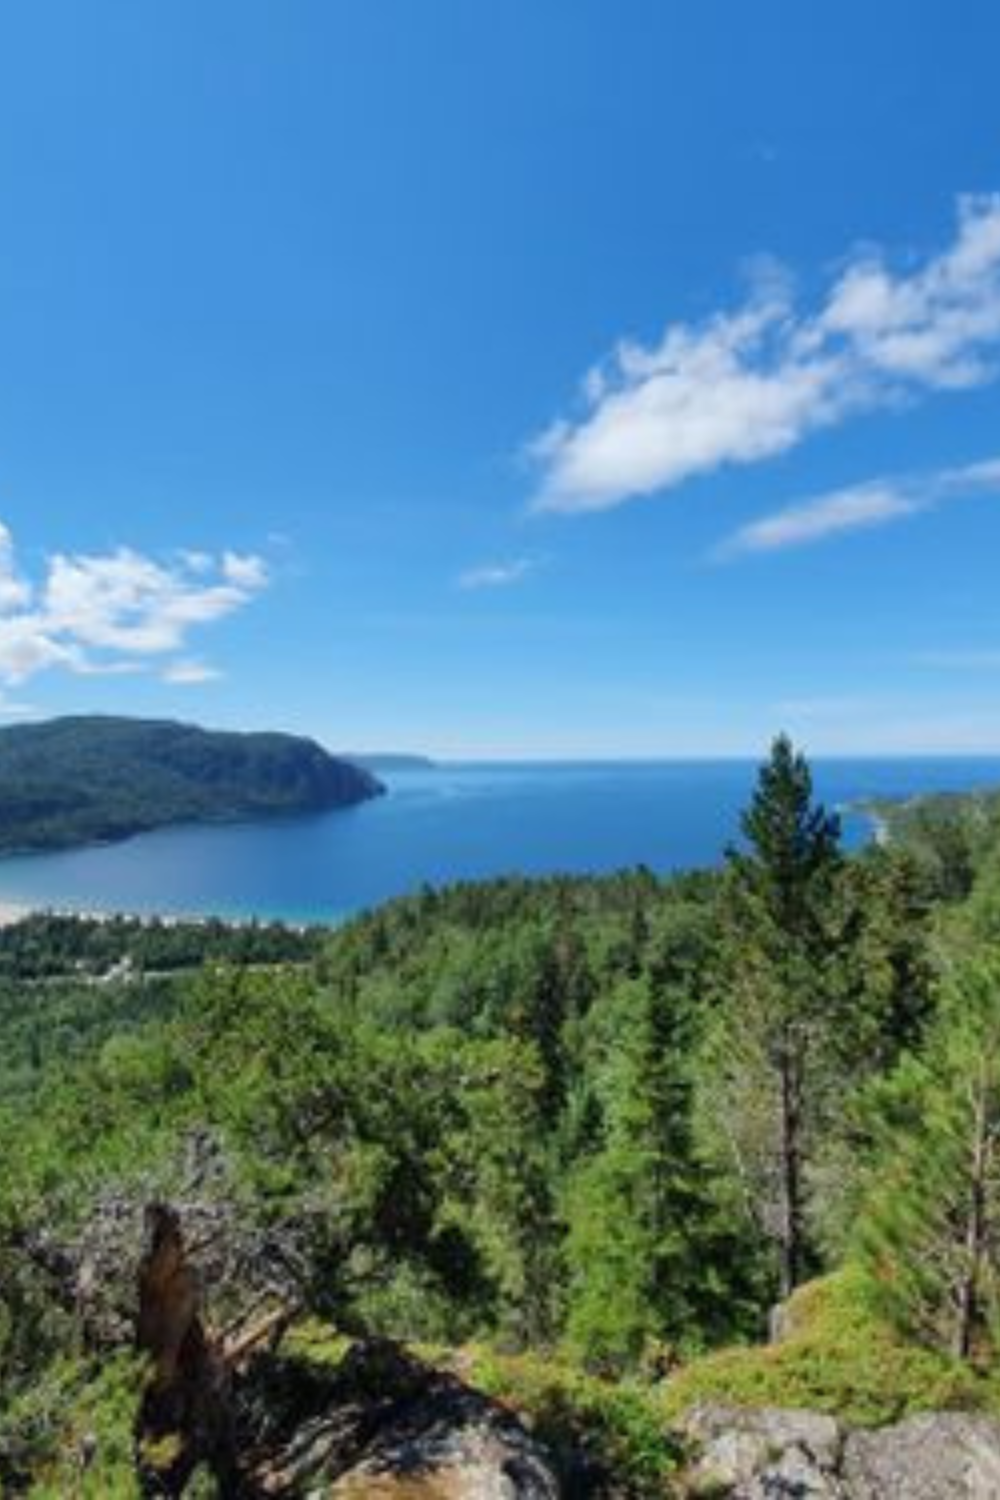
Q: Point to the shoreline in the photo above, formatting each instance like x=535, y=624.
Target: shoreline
x=12, y=912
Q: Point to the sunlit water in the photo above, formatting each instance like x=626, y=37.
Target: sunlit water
x=451, y=823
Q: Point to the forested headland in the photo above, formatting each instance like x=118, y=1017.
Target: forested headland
x=608, y=1147
x=95, y=778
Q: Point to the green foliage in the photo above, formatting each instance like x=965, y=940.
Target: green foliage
x=770, y=1051
x=948, y=834
x=44, y=946
x=532, y=1116
x=648, y=1262
x=885, y=974
x=71, y=1432
x=840, y=1355
x=794, y=847
x=930, y=1234
x=412, y=1109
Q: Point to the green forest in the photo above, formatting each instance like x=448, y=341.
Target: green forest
x=593, y=1141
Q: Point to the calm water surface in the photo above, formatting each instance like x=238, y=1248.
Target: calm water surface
x=452, y=823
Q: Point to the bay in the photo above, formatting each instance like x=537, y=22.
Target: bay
x=452, y=822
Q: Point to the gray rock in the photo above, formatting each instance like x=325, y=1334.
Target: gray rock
x=772, y=1454
x=759, y=1454
x=476, y=1466
x=384, y=1426
x=940, y=1456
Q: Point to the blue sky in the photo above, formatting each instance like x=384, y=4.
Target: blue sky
x=546, y=377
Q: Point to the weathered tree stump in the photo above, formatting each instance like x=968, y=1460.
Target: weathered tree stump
x=185, y=1414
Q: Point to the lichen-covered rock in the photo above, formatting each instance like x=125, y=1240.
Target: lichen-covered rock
x=940, y=1456
x=771, y=1454
x=470, y=1465
x=755, y=1454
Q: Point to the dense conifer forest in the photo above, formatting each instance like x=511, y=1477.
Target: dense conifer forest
x=588, y=1138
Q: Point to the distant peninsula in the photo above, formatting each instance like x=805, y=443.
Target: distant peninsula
x=94, y=779
x=391, y=760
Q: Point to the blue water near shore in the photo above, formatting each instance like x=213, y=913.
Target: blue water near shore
x=454, y=822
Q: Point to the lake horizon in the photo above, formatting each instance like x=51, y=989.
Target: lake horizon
x=456, y=821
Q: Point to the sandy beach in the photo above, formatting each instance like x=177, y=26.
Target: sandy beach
x=14, y=911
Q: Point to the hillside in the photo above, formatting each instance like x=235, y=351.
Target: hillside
x=72, y=781
x=529, y=1132
x=953, y=836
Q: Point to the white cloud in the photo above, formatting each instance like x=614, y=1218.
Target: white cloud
x=859, y=507
x=244, y=570
x=496, y=575
x=116, y=612
x=28, y=647
x=748, y=385
x=123, y=601
x=188, y=673
x=814, y=520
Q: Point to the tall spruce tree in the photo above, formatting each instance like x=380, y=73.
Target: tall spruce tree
x=642, y=1248
x=767, y=1076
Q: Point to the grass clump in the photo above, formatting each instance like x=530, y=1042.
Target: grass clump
x=841, y=1356
x=316, y=1343
x=73, y=1432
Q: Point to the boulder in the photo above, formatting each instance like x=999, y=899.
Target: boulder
x=772, y=1454
x=938, y=1456
x=757, y=1454
x=386, y=1426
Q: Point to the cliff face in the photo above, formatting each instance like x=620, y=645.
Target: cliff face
x=79, y=780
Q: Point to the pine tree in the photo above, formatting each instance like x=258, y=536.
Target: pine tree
x=886, y=974
x=931, y=1233
x=776, y=1017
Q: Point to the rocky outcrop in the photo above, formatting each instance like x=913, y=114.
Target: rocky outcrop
x=386, y=1426
x=771, y=1454
x=262, y=1422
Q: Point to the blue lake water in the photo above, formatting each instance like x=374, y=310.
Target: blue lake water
x=454, y=822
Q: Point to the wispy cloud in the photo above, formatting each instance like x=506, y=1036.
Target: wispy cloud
x=815, y=520
x=496, y=575
x=115, y=612
x=747, y=385
x=190, y=673
x=859, y=508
